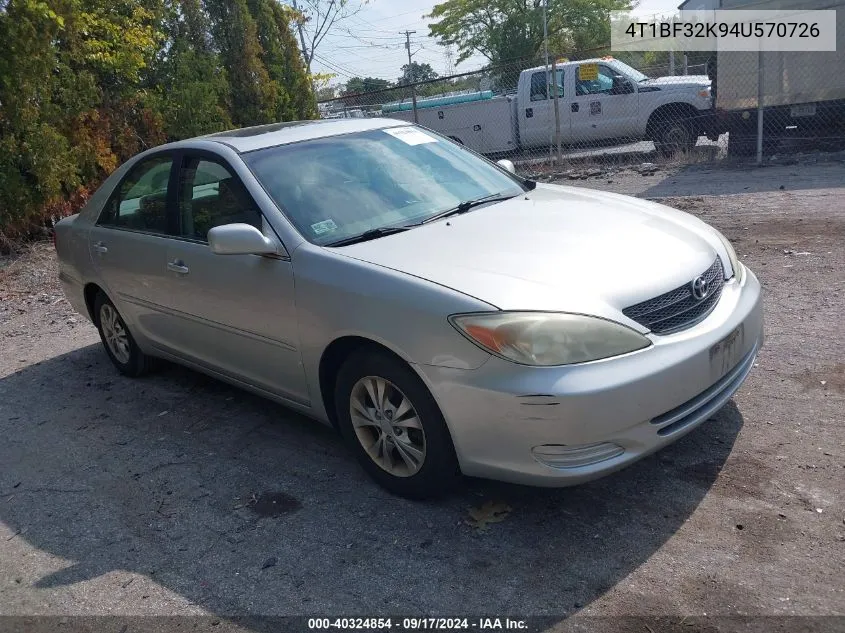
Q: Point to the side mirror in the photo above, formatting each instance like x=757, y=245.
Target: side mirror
x=240, y=239
x=621, y=85
x=507, y=165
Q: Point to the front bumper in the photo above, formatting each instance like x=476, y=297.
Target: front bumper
x=558, y=426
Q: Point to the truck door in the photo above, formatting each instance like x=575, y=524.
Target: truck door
x=536, y=111
x=603, y=107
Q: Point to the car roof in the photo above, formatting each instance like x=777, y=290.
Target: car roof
x=258, y=137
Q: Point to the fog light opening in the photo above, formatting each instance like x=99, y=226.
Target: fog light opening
x=562, y=456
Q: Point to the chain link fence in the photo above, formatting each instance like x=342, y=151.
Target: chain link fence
x=636, y=107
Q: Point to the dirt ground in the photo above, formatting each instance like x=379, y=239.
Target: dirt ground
x=179, y=495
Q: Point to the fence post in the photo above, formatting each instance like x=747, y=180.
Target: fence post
x=672, y=63
x=686, y=64
x=558, y=156
x=760, y=92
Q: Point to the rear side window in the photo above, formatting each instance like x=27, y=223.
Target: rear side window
x=538, y=86
x=210, y=195
x=140, y=202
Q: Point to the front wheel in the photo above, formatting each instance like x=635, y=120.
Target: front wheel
x=674, y=136
x=393, y=425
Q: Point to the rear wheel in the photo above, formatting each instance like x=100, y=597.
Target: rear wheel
x=118, y=341
x=393, y=425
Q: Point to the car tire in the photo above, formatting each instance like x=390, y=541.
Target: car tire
x=674, y=136
x=118, y=341
x=417, y=458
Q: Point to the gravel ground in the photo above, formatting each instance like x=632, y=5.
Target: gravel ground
x=179, y=495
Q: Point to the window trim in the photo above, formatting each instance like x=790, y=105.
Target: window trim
x=182, y=157
x=605, y=93
x=168, y=204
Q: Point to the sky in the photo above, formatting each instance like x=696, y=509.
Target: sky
x=369, y=44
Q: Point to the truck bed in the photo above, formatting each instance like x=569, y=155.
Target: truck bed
x=487, y=126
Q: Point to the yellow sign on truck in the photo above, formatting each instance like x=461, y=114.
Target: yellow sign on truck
x=588, y=72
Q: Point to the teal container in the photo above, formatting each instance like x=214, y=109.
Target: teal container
x=434, y=102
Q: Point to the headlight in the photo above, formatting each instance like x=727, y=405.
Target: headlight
x=732, y=258
x=548, y=338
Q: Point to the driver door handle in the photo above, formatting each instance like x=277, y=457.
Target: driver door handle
x=178, y=266
x=100, y=247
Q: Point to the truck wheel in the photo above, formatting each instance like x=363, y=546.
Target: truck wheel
x=674, y=136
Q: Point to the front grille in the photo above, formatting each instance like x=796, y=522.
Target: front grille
x=679, y=308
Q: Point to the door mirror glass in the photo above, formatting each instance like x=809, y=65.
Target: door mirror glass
x=240, y=239
x=621, y=85
x=506, y=164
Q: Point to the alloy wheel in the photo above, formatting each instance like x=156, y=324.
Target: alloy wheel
x=387, y=426
x=114, y=331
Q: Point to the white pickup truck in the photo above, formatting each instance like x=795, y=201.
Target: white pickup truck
x=599, y=100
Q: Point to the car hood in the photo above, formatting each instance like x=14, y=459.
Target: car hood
x=554, y=248
x=678, y=82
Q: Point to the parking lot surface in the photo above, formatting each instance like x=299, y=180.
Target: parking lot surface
x=177, y=495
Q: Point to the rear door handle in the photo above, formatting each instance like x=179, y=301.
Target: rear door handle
x=178, y=266
x=101, y=248
x=529, y=112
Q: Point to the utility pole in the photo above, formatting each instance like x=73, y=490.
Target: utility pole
x=408, y=35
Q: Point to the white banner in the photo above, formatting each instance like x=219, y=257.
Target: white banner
x=725, y=30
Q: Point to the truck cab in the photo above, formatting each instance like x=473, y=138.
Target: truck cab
x=605, y=99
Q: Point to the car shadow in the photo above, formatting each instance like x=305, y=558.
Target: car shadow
x=244, y=508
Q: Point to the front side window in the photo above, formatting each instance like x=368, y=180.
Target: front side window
x=338, y=187
x=602, y=84
x=140, y=202
x=210, y=195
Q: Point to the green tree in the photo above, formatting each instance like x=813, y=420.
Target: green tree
x=357, y=85
x=507, y=30
x=36, y=161
x=293, y=96
x=414, y=72
x=191, y=88
x=253, y=97
x=86, y=84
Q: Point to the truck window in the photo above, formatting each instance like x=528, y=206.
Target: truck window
x=602, y=84
x=539, y=89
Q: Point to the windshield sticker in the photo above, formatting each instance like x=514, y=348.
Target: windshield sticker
x=326, y=226
x=410, y=135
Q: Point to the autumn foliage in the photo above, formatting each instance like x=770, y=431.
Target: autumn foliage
x=86, y=84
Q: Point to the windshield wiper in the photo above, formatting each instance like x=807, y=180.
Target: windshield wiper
x=372, y=234
x=463, y=207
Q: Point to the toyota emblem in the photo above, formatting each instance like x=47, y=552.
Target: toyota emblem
x=700, y=288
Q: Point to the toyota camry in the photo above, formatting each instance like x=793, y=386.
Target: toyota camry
x=444, y=314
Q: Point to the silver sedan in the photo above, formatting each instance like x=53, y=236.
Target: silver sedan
x=445, y=315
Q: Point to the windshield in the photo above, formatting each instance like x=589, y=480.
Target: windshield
x=625, y=69
x=342, y=186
